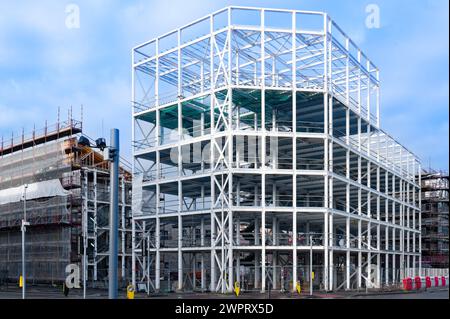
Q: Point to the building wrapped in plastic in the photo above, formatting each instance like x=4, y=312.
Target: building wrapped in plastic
x=64, y=189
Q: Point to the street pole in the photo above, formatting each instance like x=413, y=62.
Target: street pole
x=310, y=265
x=114, y=213
x=23, y=228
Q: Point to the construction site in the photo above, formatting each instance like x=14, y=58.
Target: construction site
x=259, y=165
x=435, y=195
x=62, y=188
x=259, y=160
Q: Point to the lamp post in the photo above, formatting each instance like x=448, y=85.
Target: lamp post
x=23, y=229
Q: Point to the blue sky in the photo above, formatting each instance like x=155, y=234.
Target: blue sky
x=44, y=65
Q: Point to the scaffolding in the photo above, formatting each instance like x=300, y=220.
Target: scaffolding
x=257, y=143
x=435, y=196
x=70, y=210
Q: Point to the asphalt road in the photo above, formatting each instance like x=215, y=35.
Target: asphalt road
x=56, y=293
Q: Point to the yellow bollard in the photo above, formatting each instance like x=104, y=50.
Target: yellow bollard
x=20, y=282
x=298, y=287
x=237, y=288
x=130, y=292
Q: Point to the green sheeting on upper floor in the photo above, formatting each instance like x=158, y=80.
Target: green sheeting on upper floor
x=309, y=107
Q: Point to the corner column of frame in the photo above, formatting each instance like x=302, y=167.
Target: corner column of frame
x=347, y=166
x=263, y=154
x=158, y=176
x=230, y=161
x=330, y=161
x=133, y=222
x=213, y=284
x=359, y=273
x=294, y=153
x=179, y=171
x=326, y=156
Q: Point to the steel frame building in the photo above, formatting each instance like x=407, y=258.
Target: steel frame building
x=257, y=143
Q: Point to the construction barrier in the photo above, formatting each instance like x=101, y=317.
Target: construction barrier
x=424, y=282
x=436, y=281
x=417, y=283
x=407, y=284
x=428, y=282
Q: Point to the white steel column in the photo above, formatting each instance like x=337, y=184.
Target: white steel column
x=347, y=165
x=326, y=155
x=202, y=256
x=420, y=221
x=230, y=243
x=294, y=153
x=133, y=255
x=180, y=253
x=213, y=278
x=257, y=253
x=274, y=252
x=330, y=182
x=393, y=234
x=378, y=279
x=263, y=154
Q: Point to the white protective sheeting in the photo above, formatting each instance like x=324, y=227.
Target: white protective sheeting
x=136, y=202
x=43, y=189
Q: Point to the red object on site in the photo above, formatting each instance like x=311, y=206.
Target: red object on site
x=436, y=281
x=443, y=281
x=407, y=284
x=428, y=282
x=418, y=282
